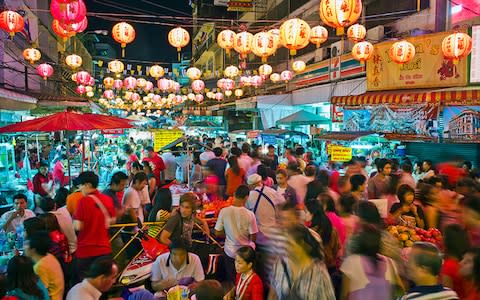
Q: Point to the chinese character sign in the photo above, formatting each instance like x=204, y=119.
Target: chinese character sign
x=427, y=69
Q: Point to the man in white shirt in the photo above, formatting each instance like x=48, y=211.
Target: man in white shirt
x=298, y=182
x=133, y=199
x=245, y=161
x=263, y=202
x=177, y=267
x=101, y=275
x=207, y=154
x=170, y=166
x=239, y=227
x=11, y=219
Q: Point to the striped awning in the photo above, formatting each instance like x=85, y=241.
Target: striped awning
x=446, y=97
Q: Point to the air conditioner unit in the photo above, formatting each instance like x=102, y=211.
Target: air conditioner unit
x=321, y=54
x=376, y=34
x=337, y=48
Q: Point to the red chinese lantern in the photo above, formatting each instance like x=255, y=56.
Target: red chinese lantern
x=60, y=31
x=80, y=89
x=256, y=81
x=108, y=94
x=135, y=97
x=91, y=83
x=148, y=87
x=340, y=13
x=245, y=81
x=218, y=96
x=164, y=84
x=243, y=43
x=32, y=55
x=83, y=77
x=362, y=51
x=401, y=52
x=108, y=82
x=68, y=13
x=226, y=40
x=263, y=45
x=228, y=84
x=199, y=98
x=198, y=86
x=124, y=34
x=294, y=35
x=45, y=70
x=11, y=21
x=130, y=83
x=456, y=46
x=318, y=35
x=286, y=75
x=118, y=84
x=356, y=33
x=220, y=83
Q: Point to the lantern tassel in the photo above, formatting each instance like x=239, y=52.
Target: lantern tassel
x=123, y=52
x=178, y=53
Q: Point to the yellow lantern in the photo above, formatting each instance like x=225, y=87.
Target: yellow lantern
x=74, y=77
x=456, y=46
x=178, y=38
x=265, y=70
x=318, y=35
x=156, y=71
x=275, y=77
x=124, y=34
x=141, y=83
x=340, y=13
x=294, y=35
x=362, y=51
x=356, y=33
x=194, y=73
x=226, y=40
x=191, y=96
x=263, y=45
x=32, y=55
x=238, y=93
x=90, y=94
x=108, y=82
x=299, y=66
x=228, y=93
x=116, y=66
x=231, y=71
x=402, y=52
x=243, y=43
x=73, y=61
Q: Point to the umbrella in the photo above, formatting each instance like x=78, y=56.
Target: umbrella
x=303, y=118
x=68, y=121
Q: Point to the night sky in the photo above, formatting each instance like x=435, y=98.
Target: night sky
x=151, y=43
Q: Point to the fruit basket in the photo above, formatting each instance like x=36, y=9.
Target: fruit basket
x=408, y=235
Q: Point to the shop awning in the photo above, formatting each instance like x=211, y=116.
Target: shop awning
x=447, y=97
x=11, y=100
x=342, y=135
x=303, y=117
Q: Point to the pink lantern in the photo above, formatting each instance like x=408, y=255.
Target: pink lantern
x=130, y=83
x=164, y=84
x=68, y=13
x=135, y=97
x=91, y=82
x=256, y=81
x=157, y=99
x=80, y=89
x=118, y=84
x=176, y=86
x=220, y=83
x=198, y=98
x=218, y=96
x=45, y=70
x=198, y=85
x=286, y=75
x=148, y=86
x=108, y=94
x=83, y=77
x=228, y=84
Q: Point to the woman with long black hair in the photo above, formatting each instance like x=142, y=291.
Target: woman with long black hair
x=22, y=282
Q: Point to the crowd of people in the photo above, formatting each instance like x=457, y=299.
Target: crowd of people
x=295, y=229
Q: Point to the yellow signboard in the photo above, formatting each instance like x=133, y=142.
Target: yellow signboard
x=163, y=137
x=427, y=69
x=339, y=153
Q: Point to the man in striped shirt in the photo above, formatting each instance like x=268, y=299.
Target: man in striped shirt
x=424, y=265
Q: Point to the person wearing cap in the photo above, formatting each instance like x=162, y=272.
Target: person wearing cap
x=93, y=216
x=177, y=267
x=263, y=202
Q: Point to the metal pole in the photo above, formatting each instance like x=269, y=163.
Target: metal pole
x=38, y=148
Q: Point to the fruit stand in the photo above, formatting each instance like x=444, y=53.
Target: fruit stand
x=407, y=235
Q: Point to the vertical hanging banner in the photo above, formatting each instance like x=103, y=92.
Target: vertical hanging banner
x=427, y=69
